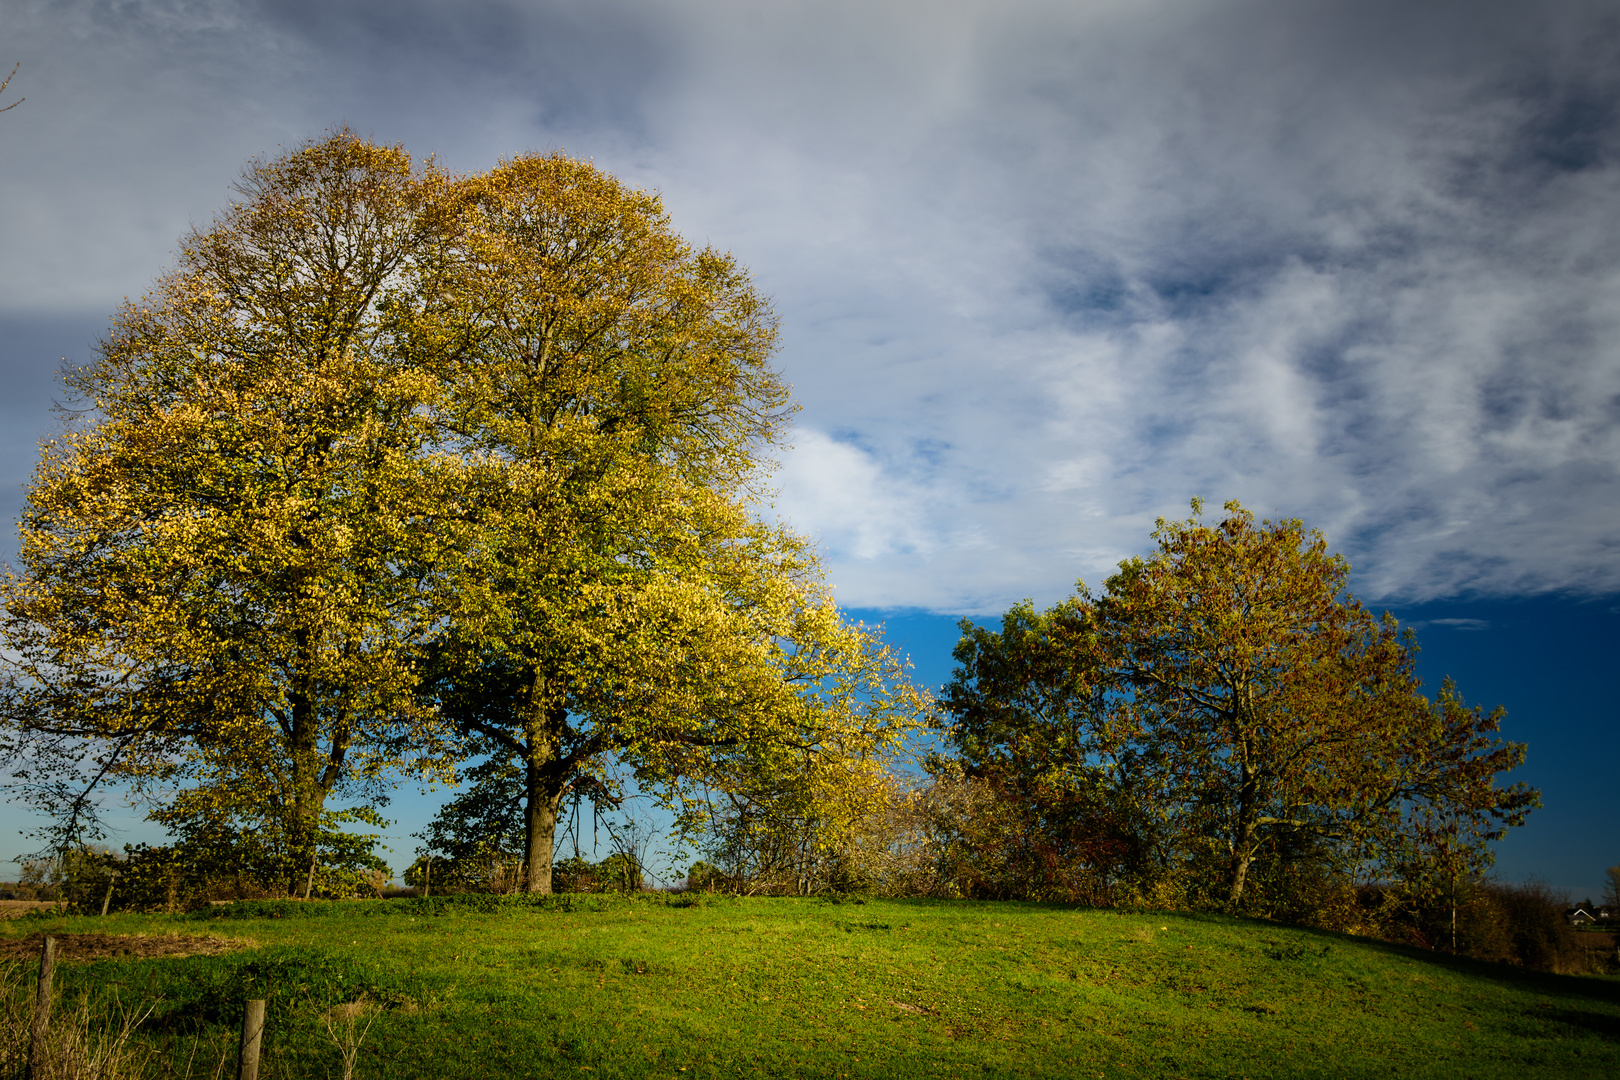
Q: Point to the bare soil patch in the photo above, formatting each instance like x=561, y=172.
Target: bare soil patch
x=86, y=947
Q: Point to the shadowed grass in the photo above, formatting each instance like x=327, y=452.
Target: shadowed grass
x=721, y=986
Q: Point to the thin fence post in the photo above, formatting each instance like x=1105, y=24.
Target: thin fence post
x=42, y=1010
x=252, y=1035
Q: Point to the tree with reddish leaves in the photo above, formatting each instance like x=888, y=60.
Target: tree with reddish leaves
x=1042, y=792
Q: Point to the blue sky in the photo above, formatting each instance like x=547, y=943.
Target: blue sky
x=1046, y=270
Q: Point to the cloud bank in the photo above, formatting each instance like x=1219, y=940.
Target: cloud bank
x=1045, y=270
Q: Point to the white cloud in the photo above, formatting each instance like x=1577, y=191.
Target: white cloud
x=840, y=494
x=1455, y=624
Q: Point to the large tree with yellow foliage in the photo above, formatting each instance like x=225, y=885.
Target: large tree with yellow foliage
x=617, y=602
x=228, y=554
x=396, y=468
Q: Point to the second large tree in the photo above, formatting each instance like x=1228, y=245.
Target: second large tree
x=616, y=602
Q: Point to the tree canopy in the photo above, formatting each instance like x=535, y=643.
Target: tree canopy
x=396, y=468
x=1224, y=702
x=615, y=599
x=227, y=554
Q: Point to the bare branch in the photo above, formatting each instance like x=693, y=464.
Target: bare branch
x=7, y=83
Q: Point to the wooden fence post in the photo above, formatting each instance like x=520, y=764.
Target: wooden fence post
x=252, y=1035
x=42, y=1010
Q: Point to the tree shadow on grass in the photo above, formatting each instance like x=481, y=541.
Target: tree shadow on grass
x=1546, y=983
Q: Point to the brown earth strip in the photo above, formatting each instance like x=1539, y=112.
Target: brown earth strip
x=86, y=947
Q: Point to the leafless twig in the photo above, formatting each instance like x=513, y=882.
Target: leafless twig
x=341, y=1021
x=7, y=83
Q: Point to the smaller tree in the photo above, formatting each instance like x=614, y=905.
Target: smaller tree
x=1070, y=803
x=1611, y=889
x=802, y=825
x=1223, y=702
x=478, y=831
x=1274, y=703
x=705, y=876
x=793, y=808
x=619, y=872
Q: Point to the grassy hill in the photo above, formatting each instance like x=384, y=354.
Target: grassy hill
x=720, y=986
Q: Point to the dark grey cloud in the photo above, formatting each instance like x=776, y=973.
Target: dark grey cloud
x=578, y=64
x=33, y=350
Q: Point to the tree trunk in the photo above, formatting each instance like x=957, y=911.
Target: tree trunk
x=303, y=749
x=1239, y=874
x=1243, y=842
x=540, y=830
x=544, y=784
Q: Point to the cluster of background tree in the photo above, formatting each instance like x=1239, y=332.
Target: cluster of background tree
x=403, y=476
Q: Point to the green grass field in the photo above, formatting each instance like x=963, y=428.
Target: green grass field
x=721, y=986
